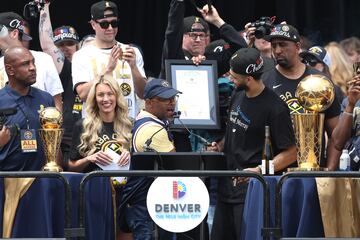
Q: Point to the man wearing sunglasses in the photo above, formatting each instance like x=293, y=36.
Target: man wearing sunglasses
x=284, y=78
x=107, y=56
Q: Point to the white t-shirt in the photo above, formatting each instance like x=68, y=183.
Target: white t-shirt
x=47, y=77
x=90, y=61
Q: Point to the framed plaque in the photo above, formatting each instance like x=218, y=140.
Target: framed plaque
x=199, y=101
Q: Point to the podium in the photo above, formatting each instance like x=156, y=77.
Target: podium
x=178, y=161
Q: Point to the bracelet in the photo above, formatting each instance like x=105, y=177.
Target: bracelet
x=347, y=113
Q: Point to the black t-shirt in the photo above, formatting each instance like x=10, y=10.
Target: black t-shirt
x=285, y=88
x=107, y=139
x=245, y=133
x=72, y=104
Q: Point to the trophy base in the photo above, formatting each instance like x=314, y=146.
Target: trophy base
x=307, y=169
x=52, y=167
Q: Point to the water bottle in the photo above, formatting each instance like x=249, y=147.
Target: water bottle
x=344, y=161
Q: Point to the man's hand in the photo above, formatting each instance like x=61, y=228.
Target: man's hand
x=213, y=148
x=238, y=180
x=4, y=136
x=249, y=34
x=129, y=55
x=198, y=59
x=354, y=90
x=211, y=17
x=115, y=54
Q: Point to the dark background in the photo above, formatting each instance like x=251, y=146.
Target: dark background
x=143, y=22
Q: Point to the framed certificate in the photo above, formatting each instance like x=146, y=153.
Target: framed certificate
x=199, y=101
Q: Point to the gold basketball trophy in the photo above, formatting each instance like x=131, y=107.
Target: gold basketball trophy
x=316, y=94
x=51, y=135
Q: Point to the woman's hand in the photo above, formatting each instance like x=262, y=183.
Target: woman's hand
x=100, y=158
x=124, y=158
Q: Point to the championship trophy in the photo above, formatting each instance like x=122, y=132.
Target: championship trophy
x=315, y=93
x=51, y=135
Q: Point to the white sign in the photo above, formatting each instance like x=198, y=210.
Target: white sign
x=177, y=204
x=193, y=83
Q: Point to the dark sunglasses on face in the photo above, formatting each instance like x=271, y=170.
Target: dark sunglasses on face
x=106, y=24
x=310, y=62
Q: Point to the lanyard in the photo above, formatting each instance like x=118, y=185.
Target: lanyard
x=22, y=111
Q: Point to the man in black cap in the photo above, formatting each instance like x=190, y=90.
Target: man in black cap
x=288, y=72
x=47, y=77
x=150, y=133
x=107, y=56
x=253, y=106
x=61, y=44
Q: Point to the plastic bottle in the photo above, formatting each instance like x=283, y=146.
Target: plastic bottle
x=344, y=161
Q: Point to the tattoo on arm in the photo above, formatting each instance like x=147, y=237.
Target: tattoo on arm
x=60, y=56
x=42, y=20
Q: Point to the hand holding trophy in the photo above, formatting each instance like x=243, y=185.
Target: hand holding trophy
x=316, y=94
x=51, y=135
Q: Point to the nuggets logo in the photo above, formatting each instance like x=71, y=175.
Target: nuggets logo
x=294, y=106
x=165, y=84
x=113, y=145
x=179, y=189
x=126, y=89
x=28, y=135
x=315, y=50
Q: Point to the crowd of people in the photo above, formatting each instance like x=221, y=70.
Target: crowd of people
x=110, y=107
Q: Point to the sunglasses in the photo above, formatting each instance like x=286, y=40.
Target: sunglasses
x=106, y=24
x=310, y=62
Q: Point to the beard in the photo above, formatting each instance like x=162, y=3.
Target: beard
x=242, y=87
x=283, y=63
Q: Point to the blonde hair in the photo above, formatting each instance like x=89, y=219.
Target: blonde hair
x=341, y=65
x=93, y=123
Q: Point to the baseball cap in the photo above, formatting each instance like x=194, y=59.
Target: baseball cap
x=189, y=25
x=248, y=61
x=284, y=31
x=159, y=88
x=319, y=53
x=98, y=10
x=220, y=51
x=13, y=20
x=65, y=33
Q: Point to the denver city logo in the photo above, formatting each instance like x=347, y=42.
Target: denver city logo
x=179, y=189
x=177, y=204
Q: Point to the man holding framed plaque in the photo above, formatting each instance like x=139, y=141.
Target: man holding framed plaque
x=188, y=37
